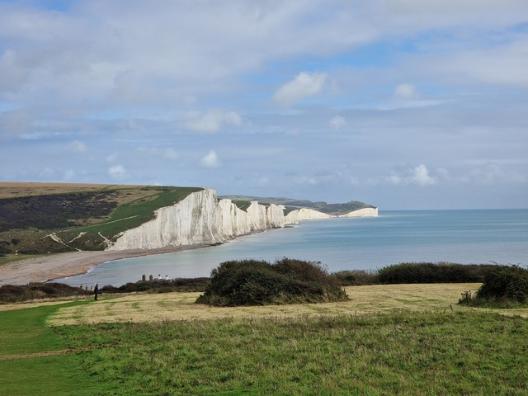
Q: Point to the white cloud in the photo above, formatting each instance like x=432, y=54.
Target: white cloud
x=337, y=122
x=213, y=120
x=302, y=86
x=405, y=91
x=78, y=146
x=418, y=175
x=210, y=160
x=117, y=171
x=504, y=64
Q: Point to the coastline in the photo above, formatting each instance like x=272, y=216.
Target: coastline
x=45, y=268
x=60, y=265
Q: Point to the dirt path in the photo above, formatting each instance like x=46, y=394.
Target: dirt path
x=17, y=356
x=53, y=266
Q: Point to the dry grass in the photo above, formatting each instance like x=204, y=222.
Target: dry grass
x=181, y=306
x=26, y=189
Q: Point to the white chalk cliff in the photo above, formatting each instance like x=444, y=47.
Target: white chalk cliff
x=200, y=218
x=364, y=212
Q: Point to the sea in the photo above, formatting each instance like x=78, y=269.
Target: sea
x=461, y=236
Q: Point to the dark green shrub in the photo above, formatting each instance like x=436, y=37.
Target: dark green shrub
x=251, y=282
x=10, y=293
x=506, y=283
x=434, y=273
x=161, y=286
x=356, y=278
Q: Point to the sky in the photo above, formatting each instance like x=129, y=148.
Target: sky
x=405, y=104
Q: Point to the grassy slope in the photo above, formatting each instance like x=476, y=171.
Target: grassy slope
x=134, y=205
x=337, y=208
x=425, y=353
x=35, y=360
x=402, y=351
x=135, y=213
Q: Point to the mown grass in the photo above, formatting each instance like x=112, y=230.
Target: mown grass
x=182, y=306
x=398, y=353
x=401, y=339
x=35, y=360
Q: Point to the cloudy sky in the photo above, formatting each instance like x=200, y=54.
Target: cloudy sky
x=401, y=103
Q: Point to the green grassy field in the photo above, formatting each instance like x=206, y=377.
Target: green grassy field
x=398, y=339
x=36, y=360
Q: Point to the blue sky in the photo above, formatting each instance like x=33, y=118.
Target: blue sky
x=401, y=103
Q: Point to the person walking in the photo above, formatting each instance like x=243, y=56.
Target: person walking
x=96, y=291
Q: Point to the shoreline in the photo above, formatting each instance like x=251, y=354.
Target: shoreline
x=46, y=268
x=61, y=265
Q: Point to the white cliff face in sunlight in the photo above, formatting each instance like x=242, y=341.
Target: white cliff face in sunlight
x=364, y=212
x=201, y=218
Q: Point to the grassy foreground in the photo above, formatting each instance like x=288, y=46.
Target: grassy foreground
x=35, y=360
x=425, y=353
x=389, y=339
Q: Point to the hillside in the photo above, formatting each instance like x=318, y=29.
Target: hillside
x=292, y=204
x=36, y=217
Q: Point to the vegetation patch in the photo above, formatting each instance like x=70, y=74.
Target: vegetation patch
x=55, y=210
x=503, y=287
x=35, y=360
x=399, y=353
x=242, y=204
x=32, y=291
x=356, y=278
x=251, y=282
x=161, y=286
x=435, y=273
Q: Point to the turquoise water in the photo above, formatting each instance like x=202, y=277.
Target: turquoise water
x=464, y=236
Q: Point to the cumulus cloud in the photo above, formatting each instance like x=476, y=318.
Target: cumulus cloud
x=78, y=147
x=117, y=171
x=210, y=160
x=418, y=175
x=337, y=122
x=213, y=120
x=302, y=86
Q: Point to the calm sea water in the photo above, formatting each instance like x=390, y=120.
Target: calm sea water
x=464, y=236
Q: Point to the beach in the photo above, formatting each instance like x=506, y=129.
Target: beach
x=60, y=265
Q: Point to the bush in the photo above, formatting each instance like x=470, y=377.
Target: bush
x=251, y=282
x=10, y=293
x=162, y=286
x=435, y=273
x=356, y=278
x=506, y=283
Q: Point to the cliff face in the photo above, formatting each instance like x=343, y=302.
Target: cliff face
x=305, y=214
x=201, y=218
x=365, y=212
